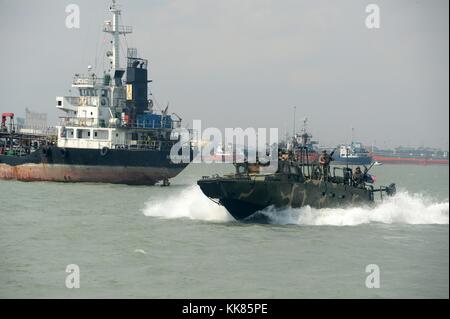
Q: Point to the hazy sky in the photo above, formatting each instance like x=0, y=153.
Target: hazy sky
x=247, y=63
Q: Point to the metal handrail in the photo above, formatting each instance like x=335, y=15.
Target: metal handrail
x=121, y=28
x=71, y=120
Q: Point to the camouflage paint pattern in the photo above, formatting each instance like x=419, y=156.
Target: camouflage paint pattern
x=243, y=195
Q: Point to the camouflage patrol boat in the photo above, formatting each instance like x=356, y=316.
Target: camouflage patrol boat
x=295, y=183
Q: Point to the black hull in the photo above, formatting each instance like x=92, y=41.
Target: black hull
x=137, y=167
x=244, y=197
x=242, y=210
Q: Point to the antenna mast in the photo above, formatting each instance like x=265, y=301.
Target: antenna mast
x=293, y=133
x=115, y=29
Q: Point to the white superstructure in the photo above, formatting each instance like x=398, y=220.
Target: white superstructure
x=94, y=118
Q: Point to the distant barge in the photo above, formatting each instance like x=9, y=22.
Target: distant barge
x=419, y=156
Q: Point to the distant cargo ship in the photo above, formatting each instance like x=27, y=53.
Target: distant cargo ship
x=353, y=154
x=402, y=155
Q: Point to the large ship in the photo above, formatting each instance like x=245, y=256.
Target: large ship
x=353, y=154
x=109, y=131
x=407, y=155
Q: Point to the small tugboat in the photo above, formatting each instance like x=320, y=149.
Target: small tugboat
x=109, y=131
x=296, y=183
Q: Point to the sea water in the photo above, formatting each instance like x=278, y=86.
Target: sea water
x=173, y=242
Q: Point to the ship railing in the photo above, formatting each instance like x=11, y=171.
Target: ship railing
x=78, y=121
x=346, y=177
x=140, y=125
x=82, y=79
x=37, y=130
x=121, y=28
x=21, y=144
x=153, y=145
x=92, y=122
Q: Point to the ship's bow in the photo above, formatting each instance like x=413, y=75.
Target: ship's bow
x=229, y=193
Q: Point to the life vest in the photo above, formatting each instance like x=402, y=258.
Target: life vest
x=323, y=159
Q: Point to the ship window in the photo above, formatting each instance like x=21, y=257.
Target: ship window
x=117, y=134
x=95, y=134
x=59, y=103
x=92, y=113
x=89, y=133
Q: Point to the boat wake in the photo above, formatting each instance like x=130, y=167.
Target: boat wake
x=190, y=203
x=403, y=208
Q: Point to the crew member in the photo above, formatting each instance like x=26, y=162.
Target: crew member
x=324, y=161
x=358, y=177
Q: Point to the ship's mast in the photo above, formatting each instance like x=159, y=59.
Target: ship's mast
x=305, y=124
x=305, y=136
x=115, y=29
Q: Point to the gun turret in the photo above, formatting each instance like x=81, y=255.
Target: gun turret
x=391, y=190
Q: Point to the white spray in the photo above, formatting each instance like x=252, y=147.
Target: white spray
x=190, y=203
x=403, y=208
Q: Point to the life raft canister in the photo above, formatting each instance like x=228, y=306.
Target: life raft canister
x=104, y=151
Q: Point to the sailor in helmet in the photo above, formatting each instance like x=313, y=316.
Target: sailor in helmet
x=324, y=161
x=358, y=177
